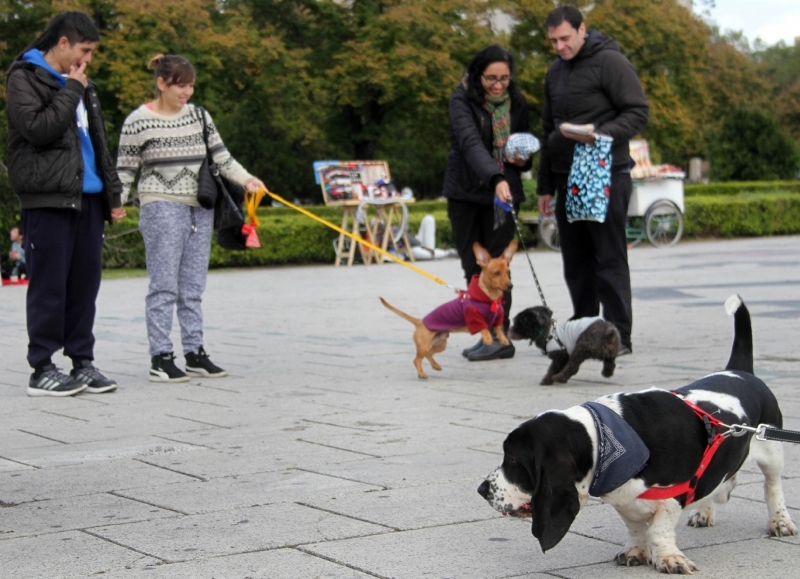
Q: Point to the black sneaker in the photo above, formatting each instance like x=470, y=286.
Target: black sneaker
x=163, y=369
x=95, y=382
x=201, y=365
x=53, y=382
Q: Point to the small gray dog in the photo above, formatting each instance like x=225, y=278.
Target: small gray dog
x=567, y=344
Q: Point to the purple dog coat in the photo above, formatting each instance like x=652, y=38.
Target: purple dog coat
x=473, y=309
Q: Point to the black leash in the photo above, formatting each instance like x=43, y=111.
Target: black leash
x=509, y=208
x=766, y=432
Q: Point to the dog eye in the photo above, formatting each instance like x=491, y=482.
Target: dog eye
x=512, y=459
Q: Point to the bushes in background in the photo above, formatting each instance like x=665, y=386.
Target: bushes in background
x=736, y=187
x=742, y=215
x=288, y=237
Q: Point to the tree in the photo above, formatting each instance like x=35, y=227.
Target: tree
x=782, y=64
x=385, y=70
x=750, y=146
x=787, y=109
x=689, y=73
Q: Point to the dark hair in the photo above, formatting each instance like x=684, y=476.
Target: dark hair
x=172, y=69
x=562, y=13
x=481, y=62
x=76, y=26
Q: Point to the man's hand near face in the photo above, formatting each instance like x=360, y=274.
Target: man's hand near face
x=77, y=73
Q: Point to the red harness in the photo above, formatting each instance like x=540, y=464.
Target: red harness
x=688, y=487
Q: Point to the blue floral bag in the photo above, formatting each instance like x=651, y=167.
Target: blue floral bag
x=589, y=182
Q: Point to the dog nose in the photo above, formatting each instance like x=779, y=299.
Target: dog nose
x=483, y=490
x=510, y=286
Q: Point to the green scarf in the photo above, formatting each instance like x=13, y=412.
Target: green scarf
x=500, y=110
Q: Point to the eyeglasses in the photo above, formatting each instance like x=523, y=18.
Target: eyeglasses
x=492, y=80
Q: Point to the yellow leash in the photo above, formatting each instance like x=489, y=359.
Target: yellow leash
x=253, y=199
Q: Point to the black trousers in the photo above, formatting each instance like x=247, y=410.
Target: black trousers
x=596, y=259
x=473, y=222
x=63, y=252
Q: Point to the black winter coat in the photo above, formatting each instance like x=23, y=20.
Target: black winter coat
x=45, y=162
x=598, y=86
x=471, y=170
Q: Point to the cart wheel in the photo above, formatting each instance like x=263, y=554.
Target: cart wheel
x=634, y=231
x=663, y=223
x=548, y=233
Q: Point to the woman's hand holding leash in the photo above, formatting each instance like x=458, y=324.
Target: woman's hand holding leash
x=503, y=191
x=254, y=184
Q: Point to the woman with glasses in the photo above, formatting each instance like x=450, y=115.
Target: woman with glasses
x=485, y=108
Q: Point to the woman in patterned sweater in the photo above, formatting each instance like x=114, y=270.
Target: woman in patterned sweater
x=165, y=138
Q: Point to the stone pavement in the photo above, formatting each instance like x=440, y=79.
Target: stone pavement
x=323, y=454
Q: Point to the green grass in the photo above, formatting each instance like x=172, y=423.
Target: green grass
x=123, y=273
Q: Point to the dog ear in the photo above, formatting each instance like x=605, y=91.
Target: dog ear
x=554, y=505
x=508, y=252
x=481, y=255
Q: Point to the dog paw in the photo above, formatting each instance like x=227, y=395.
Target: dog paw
x=702, y=518
x=632, y=557
x=560, y=378
x=436, y=366
x=546, y=381
x=607, y=373
x=676, y=564
x=782, y=526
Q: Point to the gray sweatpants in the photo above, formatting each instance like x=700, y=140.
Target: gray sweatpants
x=177, y=243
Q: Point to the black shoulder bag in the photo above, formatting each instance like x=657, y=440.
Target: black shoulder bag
x=225, y=196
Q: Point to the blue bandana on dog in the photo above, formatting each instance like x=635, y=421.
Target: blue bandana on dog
x=621, y=453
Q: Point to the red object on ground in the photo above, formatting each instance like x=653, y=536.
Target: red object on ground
x=18, y=282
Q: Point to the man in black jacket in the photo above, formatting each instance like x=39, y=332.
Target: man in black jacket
x=591, y=82
x=63, y=174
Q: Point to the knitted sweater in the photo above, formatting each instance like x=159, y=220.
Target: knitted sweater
x=170, y=150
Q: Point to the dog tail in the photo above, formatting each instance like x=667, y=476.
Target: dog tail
x=411, y=319
x=742, y=350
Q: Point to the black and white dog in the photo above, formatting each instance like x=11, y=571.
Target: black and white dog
x=643, y=453
x=568, y=344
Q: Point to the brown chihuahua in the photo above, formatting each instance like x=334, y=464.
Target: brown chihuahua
x=479, y=309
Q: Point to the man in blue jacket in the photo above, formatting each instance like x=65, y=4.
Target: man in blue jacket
x=63, y=174
x=591, y=83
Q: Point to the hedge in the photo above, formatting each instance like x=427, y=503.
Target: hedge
x=286, y=237
x=729, y=188
x=737, y=187
x=742, y=216
x=290, y=237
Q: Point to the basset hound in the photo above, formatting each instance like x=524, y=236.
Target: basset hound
x=649, y=454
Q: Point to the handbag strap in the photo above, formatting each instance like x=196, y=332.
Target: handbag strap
x=202, y=112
